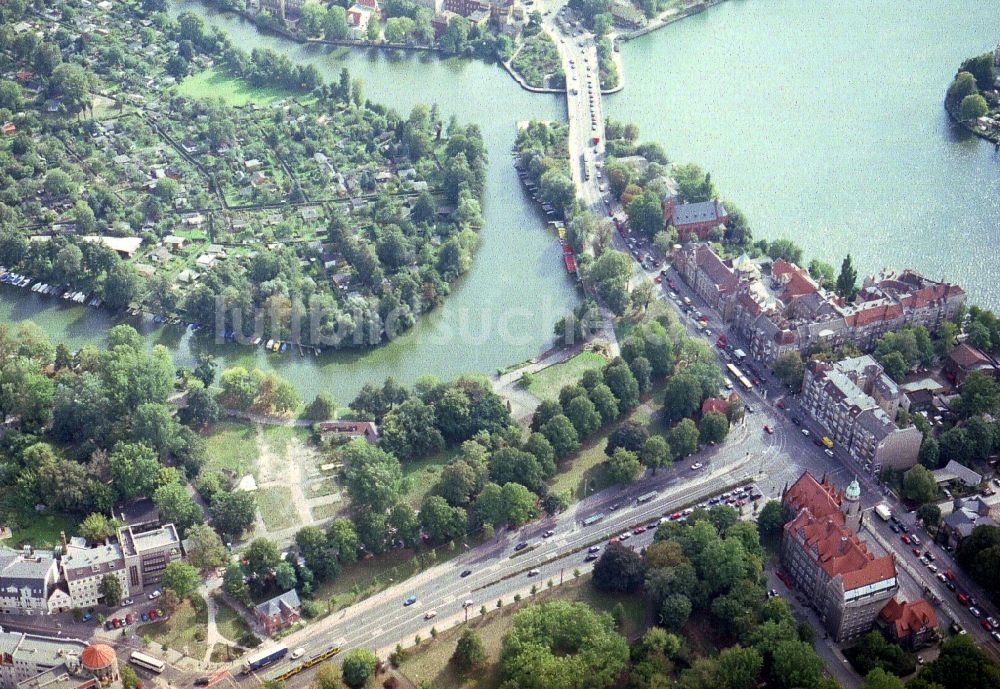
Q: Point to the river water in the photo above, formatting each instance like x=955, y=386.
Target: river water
x=822, y=121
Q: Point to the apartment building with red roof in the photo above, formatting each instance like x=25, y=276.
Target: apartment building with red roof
x=822, y=554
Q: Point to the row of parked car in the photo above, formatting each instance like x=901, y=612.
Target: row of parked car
x=150, y=615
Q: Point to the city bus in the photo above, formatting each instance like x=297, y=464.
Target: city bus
x=264, y=658
x=148, y=662
x=738, y=375
x=593, y=519
x=646, y=497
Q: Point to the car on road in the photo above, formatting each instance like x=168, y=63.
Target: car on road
x=805, y=432
x=108, y=626
x=974, y=611
x=594, y=549
x=930, y=556
x=985, y=624
x=129, y=619
x=465, y=573
x=533, y=572
x=996, y=636
x=816, y=441
x=797, y=421
x=409, y=601
x=155, y=594
x=548, y=534
x=963, y=598
x=520, y=546
x=951, y=575
x=114, y=622
x=639, y=530
x=144, y=617
x=916, y=551
x=624, y=536
x=696, y=466
x=675, y=516
x=905, y=539
x=87, y=616
x=202, y=681
x=614, y=507
x=127, y=601
x=828, y=451
x=768, y=429
x=468, y=603
x=591, y=557
x=950, y=585
x=297, y=653
x=430, y=614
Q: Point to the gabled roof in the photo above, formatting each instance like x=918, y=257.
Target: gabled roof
x=280, y=605
x=966, y=356
x=909, y=617
x=822, y=499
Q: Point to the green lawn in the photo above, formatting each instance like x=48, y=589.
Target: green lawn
x=186, y=628
x=430, y=662
x=229, y=623
x=231, y=446
x=278, y=437
x=276, y=508
x=326, y=510
x=547, y=383
x=38, y=530
x=212, y=83
x=420, y=476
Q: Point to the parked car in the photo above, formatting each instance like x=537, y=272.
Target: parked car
x=548, y=534
x=87, y=616
x=805, y=432
x=768, y=429
x=202, y=681
x=591, y=557
x=594, y=549
x=144, y=617
x=974, y=611
x=520, y=546
x=533, y=572
x=129, y=619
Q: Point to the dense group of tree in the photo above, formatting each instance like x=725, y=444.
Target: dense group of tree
x=706, y=571
x=975, y=77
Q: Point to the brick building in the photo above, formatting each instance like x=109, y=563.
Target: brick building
x=909, y=624
x=820, y=551
x=694, y=220
x=279, y=612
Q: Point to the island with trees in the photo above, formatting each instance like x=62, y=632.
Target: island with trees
x=973, y=98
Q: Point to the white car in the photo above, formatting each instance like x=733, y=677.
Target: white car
x=696, y=466
x=430, y=614
x=533, y=572
x=805, y=432
x=467, y=604
x=297, y=653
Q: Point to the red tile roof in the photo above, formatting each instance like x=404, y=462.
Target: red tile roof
x=882, y=312
x=966, y=356
x=713, y=404
x=910, y=617
x=822, y=499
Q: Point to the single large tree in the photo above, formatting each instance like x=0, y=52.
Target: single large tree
x=847, y=280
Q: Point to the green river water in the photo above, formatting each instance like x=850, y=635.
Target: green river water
x=822, y=121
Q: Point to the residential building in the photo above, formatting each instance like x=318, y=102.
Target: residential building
x=28, y=580
x=24, y=657
x=911, y=624
x=358, y=18
x=857, y=404
x=822, y=554
x=84, y=567
x=279, y=612
x=147, y=553
x=963, y=360
x=966, y=515
x=711, y=278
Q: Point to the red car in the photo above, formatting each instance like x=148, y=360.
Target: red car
x=768, y=429
x=638, y=530
x=781, y=405
x=949, y=575
x=916, y=551
x=129, y=618
x=985, y=624
x=152, y=614
x=963, y=598
x=672, y=284
x=657, y=279
x=676, y=515
x=115, y=623
x=613, y=541
x=905, y=539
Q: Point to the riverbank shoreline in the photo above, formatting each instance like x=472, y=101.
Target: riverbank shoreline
x=992, y=136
